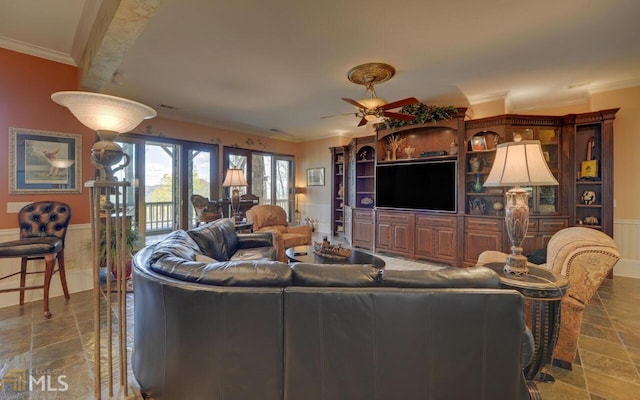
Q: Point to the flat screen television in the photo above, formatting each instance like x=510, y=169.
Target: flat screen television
x=427, y=185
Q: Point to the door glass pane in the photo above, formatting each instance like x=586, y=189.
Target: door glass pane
x=238, y=161
x=261, y=177
x=284, y=185
x=160, y=191
x=128, y=173
x=199, y=178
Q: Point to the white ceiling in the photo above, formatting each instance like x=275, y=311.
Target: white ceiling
x=254, y=66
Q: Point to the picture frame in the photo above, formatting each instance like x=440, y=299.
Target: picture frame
x=315, y=176
x=589, y=169
x=478, y=143
x=44, y=162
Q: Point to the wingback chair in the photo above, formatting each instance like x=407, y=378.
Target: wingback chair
x=585, y=256
x=204, y=211
x=271, y=218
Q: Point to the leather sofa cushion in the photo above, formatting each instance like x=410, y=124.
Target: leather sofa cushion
x=475, y=277
x=177, y=244
x=212, y=238
x=226, y=273
x=334, y=275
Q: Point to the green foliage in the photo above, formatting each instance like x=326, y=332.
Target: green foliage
x=423, y=114
x=132, y=242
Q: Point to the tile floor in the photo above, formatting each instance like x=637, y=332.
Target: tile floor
x=608, y=365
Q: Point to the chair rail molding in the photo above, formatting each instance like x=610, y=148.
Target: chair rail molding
x=78, y=262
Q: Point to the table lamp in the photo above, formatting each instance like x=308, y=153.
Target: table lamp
x=518, y=163
x=234, y=179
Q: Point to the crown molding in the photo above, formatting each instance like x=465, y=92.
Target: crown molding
x=485, y=98
x=614, y=85
x=36, y=51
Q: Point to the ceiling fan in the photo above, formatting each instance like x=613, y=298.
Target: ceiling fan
x=371, y=107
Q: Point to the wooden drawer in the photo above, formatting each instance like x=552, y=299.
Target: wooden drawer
x=435, y=221
x=362, y=214
x=552, y=225
x=398, y=218
x=533, y=225
x=485, y=224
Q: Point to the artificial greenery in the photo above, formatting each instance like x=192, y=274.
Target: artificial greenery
x=423, y=114
x=132, y=242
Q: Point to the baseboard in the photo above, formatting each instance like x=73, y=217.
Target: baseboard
x=628, y=268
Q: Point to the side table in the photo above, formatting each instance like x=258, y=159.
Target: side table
x=244, y=227
x=543, y=289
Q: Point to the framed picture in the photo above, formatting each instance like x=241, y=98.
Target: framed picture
x=589, y=169
x=478, y=143
x=44, y=162
x=315, y=177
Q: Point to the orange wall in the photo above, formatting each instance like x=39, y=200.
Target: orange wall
x=25, y=102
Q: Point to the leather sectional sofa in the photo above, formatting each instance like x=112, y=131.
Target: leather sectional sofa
x=261, y=329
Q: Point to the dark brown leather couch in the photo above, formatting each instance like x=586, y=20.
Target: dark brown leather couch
x=264, y=330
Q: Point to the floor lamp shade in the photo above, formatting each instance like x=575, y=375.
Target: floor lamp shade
x=518, y=163
x=109, y=116
x=234, y=179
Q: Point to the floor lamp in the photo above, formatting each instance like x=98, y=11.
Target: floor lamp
x=234, y=179
x=108, y=116
x=518, y=163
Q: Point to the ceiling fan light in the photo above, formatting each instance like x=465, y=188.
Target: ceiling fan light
x=370, y=117
x=372, y=102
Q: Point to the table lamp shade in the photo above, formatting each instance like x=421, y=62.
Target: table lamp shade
x=234, y=177
x=520, y=164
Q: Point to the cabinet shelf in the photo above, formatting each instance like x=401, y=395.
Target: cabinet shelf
x=365, y=177
x=474, y=194
x=589, y=205
x=589, y=182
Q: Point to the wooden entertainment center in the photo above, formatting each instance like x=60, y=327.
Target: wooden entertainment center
x=456, y=229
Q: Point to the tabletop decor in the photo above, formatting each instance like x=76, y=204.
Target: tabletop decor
x=326, y=249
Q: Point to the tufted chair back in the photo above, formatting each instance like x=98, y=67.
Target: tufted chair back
x=44, y=218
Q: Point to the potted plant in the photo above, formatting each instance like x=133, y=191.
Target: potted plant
x=132, y=243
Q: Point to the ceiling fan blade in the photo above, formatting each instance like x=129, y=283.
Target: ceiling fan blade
x=339, y=115
x=400, y=103
x=363, y=121
x=354, y=103
x=403, y=117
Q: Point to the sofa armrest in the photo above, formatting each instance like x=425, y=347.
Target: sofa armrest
x=259, y=239
x=528, y=348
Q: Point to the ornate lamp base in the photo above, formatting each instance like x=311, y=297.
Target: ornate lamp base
x=517, y=221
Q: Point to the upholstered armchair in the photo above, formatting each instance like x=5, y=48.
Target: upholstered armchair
x=271, y=218
x=585, y=256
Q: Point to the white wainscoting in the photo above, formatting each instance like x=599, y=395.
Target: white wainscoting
x=626, y=234
x=78, y=265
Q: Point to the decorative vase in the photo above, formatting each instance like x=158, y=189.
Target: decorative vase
x=388, y=155
x=477, y=185
x=393, y=154
x=409, y=150
x=474, y=164
x=454, y=148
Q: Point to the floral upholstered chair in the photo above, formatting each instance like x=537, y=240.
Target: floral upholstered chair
x=271, y=218
x=586, y=256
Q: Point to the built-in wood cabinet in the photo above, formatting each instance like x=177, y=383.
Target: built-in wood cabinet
x=459, y=234
x=362, y=228
x=394, y=232
x=436, y=237
x=339, y=188
x=592, y=171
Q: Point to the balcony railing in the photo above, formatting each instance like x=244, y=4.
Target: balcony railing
x=159, y=217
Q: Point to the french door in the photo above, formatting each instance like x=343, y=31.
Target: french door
x=164, y=174
x=269, y=176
